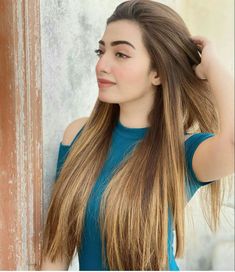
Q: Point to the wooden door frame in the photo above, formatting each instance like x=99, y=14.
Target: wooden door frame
x=20, y=135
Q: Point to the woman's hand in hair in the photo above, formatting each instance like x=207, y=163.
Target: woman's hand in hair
x=209, y=56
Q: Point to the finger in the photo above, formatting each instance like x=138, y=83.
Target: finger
x=197, y=43
x=199, y=72
x=199, y=40
x=194, y=67
x=198, y=46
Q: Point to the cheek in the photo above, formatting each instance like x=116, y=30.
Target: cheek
x=130, y=74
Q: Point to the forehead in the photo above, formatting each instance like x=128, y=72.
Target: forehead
x=123, y=30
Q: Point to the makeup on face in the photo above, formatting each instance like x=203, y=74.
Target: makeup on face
x=105, y=85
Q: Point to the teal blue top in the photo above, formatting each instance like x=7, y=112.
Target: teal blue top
x=123, y=141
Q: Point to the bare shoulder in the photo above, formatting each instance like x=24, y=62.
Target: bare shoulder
x=188, y=136
x=72, y=130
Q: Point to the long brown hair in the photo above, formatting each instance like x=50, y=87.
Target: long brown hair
x=150, y=181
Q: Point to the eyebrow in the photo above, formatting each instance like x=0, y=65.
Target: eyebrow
x=114, y=43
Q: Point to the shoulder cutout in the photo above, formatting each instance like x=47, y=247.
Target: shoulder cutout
x=187, y=136
x=72, y=130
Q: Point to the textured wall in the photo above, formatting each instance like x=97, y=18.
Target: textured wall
x=70, y=32
x=20, y=135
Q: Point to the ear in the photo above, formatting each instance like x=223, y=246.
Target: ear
x=155, y=79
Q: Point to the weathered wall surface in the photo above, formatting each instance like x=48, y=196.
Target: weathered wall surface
x=70, y=31
x=20, y=135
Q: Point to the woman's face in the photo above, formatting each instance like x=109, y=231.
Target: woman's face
x=126, y=65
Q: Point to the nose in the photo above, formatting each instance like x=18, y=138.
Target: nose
x=103, y=65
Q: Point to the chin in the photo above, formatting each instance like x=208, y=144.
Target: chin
x=107, y=100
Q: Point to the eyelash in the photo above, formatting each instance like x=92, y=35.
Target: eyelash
x=97, y=51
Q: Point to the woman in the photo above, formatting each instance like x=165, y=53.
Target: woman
x=152, y=140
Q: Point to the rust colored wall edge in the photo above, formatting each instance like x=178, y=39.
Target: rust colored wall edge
x=28, y=132
x=21, y=184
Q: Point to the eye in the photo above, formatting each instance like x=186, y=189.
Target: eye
x=122, y=55
x=100, y=52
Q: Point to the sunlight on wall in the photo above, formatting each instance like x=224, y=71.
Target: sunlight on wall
x=215, y=20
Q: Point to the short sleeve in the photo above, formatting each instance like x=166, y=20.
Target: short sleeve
x=63, y=154
x=191, y=144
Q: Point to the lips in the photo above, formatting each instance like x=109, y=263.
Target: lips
x=105, y=81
